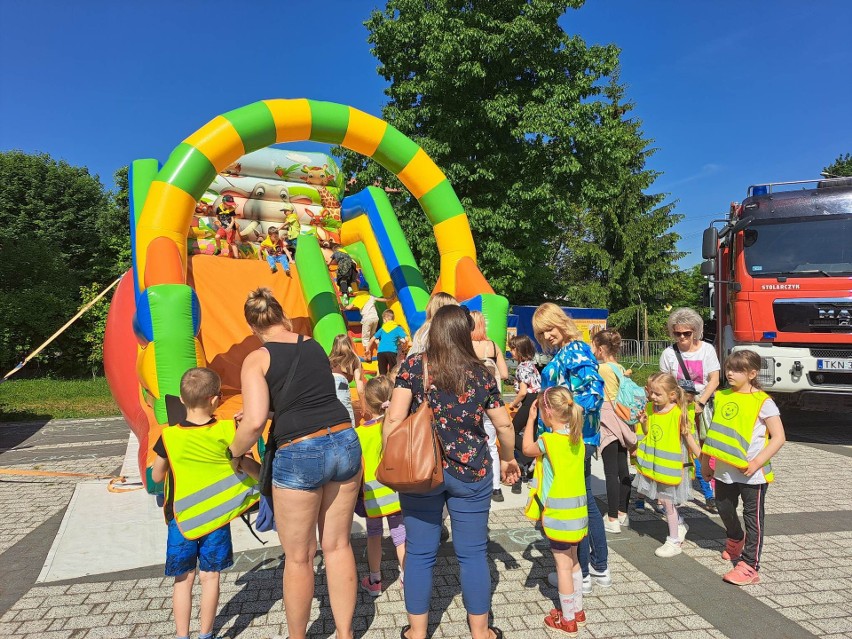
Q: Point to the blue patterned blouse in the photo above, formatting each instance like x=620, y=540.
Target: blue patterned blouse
x=574, y=366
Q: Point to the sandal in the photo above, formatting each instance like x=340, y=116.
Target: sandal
x=498, y=634
x=402, y=632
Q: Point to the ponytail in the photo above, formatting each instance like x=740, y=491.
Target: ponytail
x=683, y=403
x=560, y=407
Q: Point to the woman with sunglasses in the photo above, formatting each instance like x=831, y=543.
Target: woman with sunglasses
x=694, y=361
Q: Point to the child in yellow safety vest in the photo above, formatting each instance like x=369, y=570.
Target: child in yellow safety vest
x=558, y=497
x=745, y=433
x=663, y=455
x=205, y=489
x=378, y=502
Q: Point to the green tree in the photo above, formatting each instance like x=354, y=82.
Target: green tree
x=841, y=167
x=529, y=124
x=507, y=104
x=61, y=232
x=620, y=251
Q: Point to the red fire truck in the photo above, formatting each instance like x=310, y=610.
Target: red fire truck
x=781, y=273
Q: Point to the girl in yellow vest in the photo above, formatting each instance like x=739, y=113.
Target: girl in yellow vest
x=662, y=457
x=558, y=497
x=745, y=433
x=378, y=502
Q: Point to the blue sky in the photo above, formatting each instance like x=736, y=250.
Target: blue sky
x=732, y=93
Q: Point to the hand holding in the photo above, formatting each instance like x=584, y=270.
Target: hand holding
x=510, y=472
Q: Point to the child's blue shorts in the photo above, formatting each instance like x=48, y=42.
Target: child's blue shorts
x=211, y=553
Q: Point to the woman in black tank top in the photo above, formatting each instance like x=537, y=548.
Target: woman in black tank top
x=316, y=474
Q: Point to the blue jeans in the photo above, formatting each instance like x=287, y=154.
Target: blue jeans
x=706, y=488
x=468, y=504
x=593, y=546
x=312, y=463
x=280, y=259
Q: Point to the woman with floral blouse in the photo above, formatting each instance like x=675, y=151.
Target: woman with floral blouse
x=460, y=391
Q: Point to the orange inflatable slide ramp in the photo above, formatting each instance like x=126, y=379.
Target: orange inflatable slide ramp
x=222, y=285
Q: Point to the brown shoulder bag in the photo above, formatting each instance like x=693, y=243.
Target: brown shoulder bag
x=413, y=456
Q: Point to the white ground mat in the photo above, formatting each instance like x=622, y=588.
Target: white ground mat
x=104, y=532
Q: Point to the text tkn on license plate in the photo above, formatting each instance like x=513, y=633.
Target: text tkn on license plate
x=834, y=364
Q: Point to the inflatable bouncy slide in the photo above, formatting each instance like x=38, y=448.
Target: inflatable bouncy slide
x=181, y=304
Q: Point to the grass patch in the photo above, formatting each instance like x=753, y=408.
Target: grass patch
x=38, y=399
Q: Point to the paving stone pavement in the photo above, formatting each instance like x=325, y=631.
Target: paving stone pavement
x=806, y=589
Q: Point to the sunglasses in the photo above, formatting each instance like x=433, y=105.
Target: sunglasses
x=682, y=334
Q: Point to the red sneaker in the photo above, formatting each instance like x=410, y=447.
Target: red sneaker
x=579, y=617
x=742, y=575
x=733, y=549
x=555, y=621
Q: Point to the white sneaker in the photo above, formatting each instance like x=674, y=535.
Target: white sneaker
x=553, y=580
x=682, y=529
x=611, y=526
x=669, y=549
x=601, y=578
x=624, y=520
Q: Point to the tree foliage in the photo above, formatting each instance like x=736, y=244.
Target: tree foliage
x=528, y=123
x=60, y=232
x=841, y=167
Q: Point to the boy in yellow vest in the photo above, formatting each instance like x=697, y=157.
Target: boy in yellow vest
x=744, y=435
x=196, y=452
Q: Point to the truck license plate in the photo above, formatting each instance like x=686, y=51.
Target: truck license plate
x=834, y=364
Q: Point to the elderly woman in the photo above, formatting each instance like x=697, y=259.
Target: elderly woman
x=316, y=474
x=460, y=390
x=695, y=365
x=575, y=367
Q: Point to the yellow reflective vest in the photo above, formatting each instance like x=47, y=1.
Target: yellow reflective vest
x=731, y=431
x=379, y=500
x=207, y=493
x=562, y=511
x=659, y=455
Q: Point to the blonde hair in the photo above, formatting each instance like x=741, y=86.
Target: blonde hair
x=685, y=317
x=343, y=357
x=263, y=311
x=559, y=407
x=439, y=300
x=609, y=339
x=388, y=316
x=549, y=316
x=478, y=333
x=668, y=384
x=198, y=385
x=377, y=394
x=744, y=362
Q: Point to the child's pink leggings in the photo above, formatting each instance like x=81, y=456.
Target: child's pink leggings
x=672, y=517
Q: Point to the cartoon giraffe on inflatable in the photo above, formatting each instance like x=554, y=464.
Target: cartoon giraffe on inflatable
x=319, y=177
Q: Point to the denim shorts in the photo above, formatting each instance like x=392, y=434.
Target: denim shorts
x=314, y=462
x=211, y=553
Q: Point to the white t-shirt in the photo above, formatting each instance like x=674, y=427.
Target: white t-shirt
x=699, y=363
x=726, y=473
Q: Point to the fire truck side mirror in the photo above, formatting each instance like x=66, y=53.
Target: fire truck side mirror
x=708, y=267
x=710, y=243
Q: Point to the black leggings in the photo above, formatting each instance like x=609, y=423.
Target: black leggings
x=617, y=475
x=386, y=362
x=519, y=421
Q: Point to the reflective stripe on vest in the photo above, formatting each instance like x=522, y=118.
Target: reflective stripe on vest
x=731, y=431
x=562, y=511
x=207, y=493
x=379, y=500
x=659, y=455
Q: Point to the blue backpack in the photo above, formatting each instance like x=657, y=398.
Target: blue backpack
x=631, y=399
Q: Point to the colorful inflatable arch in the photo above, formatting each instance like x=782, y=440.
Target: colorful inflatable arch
x=155, y=330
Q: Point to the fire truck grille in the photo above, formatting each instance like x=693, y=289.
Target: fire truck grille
x=832, y=352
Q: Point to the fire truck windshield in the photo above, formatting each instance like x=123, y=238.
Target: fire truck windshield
x=799, y=247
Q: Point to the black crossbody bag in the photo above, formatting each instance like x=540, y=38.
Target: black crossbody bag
x=687, y=383
x=265, y=475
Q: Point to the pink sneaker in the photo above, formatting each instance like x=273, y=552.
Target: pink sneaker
x=733, y=549
x=742, y=575
x=555, y=621
x=372, y=589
